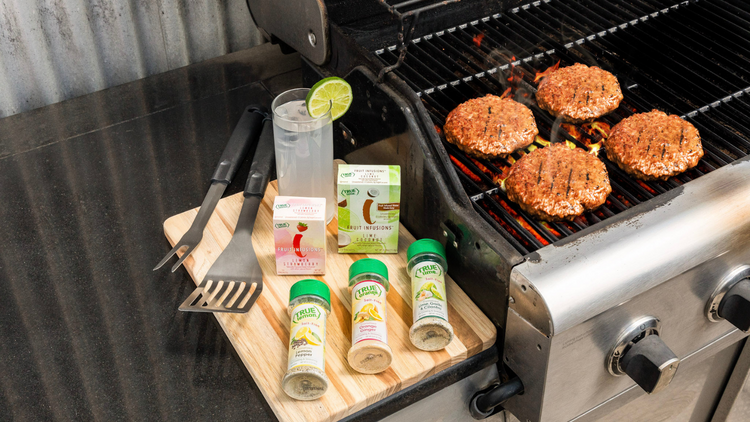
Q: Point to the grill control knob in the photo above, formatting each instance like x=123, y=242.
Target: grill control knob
x=735, y=306
x=650, y=363
x=642, y=355
x=731, y=299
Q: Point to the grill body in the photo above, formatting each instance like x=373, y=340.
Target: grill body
x=564, y=293
x=572, y=300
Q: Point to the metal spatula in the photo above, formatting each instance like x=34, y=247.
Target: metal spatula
x=234, y=281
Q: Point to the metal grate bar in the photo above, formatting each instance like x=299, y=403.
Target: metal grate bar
x=589, y=32
x=425, y=6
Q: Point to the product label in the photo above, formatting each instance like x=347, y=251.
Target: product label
x=307, y=338
x=299, y=233
x=368, y=312
x=428, y=291
x=369, y=203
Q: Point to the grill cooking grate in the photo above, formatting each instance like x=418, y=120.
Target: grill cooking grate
x=690, y=59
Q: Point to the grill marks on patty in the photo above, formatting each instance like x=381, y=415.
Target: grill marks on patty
x=561, y=93
x=558, y=183
x=654, y=145
x=490, y=127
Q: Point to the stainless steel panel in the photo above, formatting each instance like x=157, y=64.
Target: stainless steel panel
x=741, y=409
x=584, y=293
x=581, y=353
x=527, y=353
x=691, y=397
x=719, y=356
x=451, y=403
x=53, y=50
x=735, y=401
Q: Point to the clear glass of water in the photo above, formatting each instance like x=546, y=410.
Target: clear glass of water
x=304, y=149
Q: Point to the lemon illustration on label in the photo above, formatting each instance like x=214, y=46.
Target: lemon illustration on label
x=301, y=333
x=313, y=339
x=308, y=336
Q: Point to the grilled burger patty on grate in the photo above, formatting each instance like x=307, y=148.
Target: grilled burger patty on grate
x=654, y=145
x=490, y=126
x=579, y=93
x=558, y=183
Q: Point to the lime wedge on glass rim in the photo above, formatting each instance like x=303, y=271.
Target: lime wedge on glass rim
x=334, y=91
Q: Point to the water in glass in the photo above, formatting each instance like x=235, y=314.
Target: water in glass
x=304, y=154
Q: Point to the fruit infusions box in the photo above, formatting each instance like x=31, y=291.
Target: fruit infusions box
x=299, y=231
x=369, y=199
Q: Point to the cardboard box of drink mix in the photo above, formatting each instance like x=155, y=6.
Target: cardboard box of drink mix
x=369, y=199
x=299, y=231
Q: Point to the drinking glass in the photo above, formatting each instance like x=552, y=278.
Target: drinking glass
x=304, y=149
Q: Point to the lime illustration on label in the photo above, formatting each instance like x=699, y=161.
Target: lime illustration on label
x=368, y=312
x=428, y=290
x=306, y=346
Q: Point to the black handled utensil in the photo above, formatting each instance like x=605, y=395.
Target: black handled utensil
x=244, y=135
x=234, y=282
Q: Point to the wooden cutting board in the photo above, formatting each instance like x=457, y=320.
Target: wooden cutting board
x=261, y=336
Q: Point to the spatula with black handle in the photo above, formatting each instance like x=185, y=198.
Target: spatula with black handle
x=234, y=282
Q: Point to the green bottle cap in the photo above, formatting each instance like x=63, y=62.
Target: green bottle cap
x=425, y=246
x=310, y=287
x=368, y=265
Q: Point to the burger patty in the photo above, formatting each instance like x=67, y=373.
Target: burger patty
x=654, y=145
x=558, y=183
x=490, y=126
x=579, y=93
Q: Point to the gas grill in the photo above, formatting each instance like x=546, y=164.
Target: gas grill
x=650, y=274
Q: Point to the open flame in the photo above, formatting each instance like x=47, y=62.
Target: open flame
x=589, y=134
x=512, y=68
x=525, y=224
x=506, y=94
x=541, y=75
x=541, y=141
x=573, y=131
x=477, y=40
x=515, y=76
x=510, y=228
x=550, y=229
x=481, y=166
x=601, y=128
x=647, y=187
x=465, y=170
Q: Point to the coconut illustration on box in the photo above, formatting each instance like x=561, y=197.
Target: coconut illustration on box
x=299, y=235
x=369, y=202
